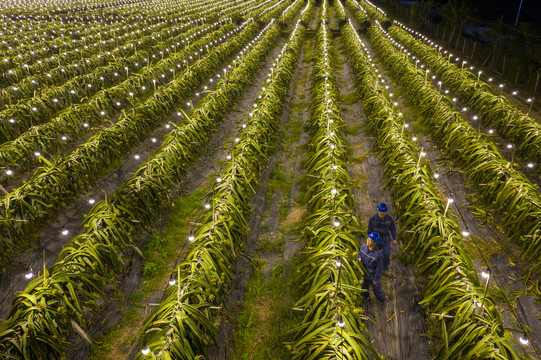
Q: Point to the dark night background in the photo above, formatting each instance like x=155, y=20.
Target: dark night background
x=494, y=9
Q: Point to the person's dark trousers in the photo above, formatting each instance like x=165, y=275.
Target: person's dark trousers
x=378, y=292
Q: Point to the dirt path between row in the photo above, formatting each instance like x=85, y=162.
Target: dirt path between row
x=265, y=222
x=398, y=328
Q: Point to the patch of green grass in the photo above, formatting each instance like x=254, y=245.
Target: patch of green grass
x=418, y=127
x=404, y=256
x=263, y=324
x=284, y=203
x=295, y=129
x=162, y=247
x=113, y=166
x=269, y=245
x=353, y=129
x=277, y=182
x=308, y=46
x=297, y=106
x=102, y=346
x=160, y=253
x=338, y=60
x=487, y=247
x=302, y=198
x=351, y=98
x=359, y=158
x=359, y=181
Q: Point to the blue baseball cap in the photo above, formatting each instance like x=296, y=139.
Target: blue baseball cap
x=375, y=236
x=382, y=207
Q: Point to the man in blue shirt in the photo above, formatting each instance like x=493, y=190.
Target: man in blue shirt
x=383, y=224
x=372, y=260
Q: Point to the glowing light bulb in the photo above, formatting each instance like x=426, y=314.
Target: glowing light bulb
x=145, y=350
x=29, y=274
